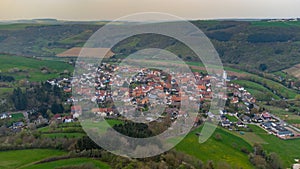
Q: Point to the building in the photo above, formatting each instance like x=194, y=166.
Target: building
x=296, y=166
x=4, y=116
x=76, y=111
x=266, y=116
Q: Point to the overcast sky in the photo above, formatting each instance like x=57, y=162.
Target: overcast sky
x=113, y=9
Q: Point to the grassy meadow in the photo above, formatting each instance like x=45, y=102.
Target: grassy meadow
x=31, y=69
x=225, y=149
x=69, y=163
x=22, y=158
x=288, y=150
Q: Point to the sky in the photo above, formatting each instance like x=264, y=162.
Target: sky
x=113, y=9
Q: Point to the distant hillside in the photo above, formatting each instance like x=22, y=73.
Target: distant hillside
x=251, y=45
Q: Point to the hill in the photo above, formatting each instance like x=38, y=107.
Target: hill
x=250, y=45
x=227, y=149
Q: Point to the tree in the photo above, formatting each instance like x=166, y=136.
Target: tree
x=210, y=165
x=274, y=161
x=259, y=162
x=19, y=99
x=49, y=113
x=57, y=91
x=297, y=97
x=263, y=67
x=53, y=125
x=218, y=137
x=254, y=111
x=258, y=149
x=57, y=108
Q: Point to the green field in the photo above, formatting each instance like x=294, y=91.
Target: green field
x=232, y=118
x=288, y=150
x=63, y=129
x=29, y=68
x=250, y=137
x=63, y=135
x=227, y=149
x=16, y=26
x=255, y=89
x=275, y=24
x=19, y=158
x=5, y=90
x=99, y=126
x=69, y=162
x=17, y=116
x=26, y=159
x=113, y=122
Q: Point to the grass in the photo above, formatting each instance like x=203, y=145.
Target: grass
x=63, y=135
x=18, y=158
x=79, y=38
x=69, y=162
x=54, y=50
x=227, y=149
x=232, y=118
x=256, y=89
x=17, y=116
x=31, y=68
x=62, y=130
x=44, y=129
x=250, y=137
x=288, y=150
x=293, y=119
x=289, y=93
x=113, y=122
x=280, y=73
x=16, y=26
x=275, y=24
x=99, y=126
x=5, y=90
x=281, y=113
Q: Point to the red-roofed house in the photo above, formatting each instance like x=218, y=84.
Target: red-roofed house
x=76, y=111
x=266, y=116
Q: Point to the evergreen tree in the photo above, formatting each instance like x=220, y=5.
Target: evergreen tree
x=19, y=99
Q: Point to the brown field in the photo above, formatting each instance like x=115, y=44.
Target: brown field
x=294, y=71
x=87, y=52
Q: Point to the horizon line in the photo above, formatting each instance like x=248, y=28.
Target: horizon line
x=110, y=20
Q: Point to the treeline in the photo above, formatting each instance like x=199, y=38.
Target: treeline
x=40, y=97
x=31, y=139
x=85, y=147
x=4, y=78
x=268, y=37
x=262, y=160
x=136, y=130
x=277, y=89
x=220, y=36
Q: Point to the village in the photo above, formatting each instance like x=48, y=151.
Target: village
x=149, y=88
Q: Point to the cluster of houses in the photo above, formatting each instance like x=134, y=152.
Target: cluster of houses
x=16, y=125
x=4, y=116
x=277, y=129
x=64, y=83
x=140, y=92
x=148, y=88
x=267, y=121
